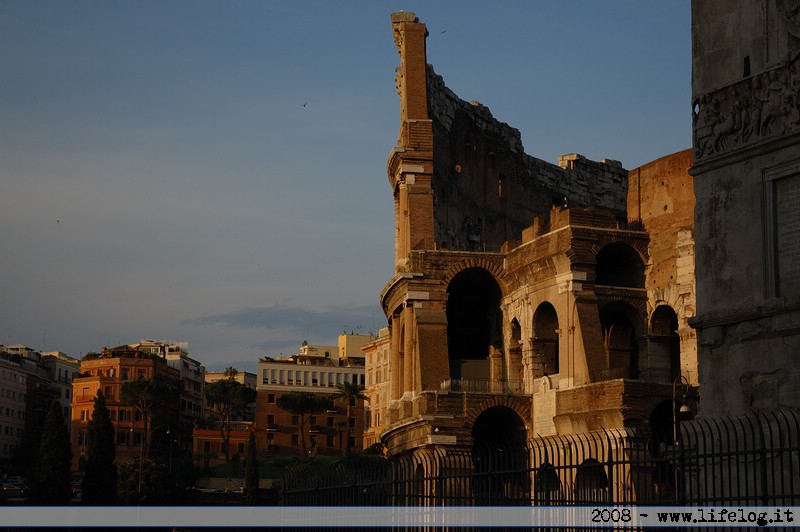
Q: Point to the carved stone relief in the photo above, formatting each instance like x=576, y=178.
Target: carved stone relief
x=763, y=106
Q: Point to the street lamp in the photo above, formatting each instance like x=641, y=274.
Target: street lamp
x=680, y=387
x=141, y=454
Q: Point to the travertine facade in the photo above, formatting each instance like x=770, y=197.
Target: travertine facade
x=746, y=110
x=528, y=299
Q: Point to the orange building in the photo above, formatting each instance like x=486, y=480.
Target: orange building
x=315, y=369
x=209, y=446
x=107, y=372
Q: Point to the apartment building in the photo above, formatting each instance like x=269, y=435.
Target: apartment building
x=317, y=369
x=136, y=436
x=376, y=357
x=29, y=381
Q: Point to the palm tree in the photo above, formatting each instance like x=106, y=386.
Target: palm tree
x=350, y=393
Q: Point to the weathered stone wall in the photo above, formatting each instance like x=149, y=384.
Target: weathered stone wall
x=746, y=97
x=661, y=195
x=487, y=190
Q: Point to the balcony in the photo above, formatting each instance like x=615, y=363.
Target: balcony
x=485, y=386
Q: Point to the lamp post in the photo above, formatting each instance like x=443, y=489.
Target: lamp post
x=141, y=455
x=680, y=386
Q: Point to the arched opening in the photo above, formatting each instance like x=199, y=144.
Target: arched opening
x=515, y=352
x=500, y=457
x=473, y=323
x=662, y=434
x=544, y=343
x=620, y=265
x=665, y=344
x=591, y=482
x=546, y=485
x=620, y=344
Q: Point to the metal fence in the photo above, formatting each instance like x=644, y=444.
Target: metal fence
x=749, y=460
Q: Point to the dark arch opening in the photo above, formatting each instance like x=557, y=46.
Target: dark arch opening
x=473, y=323
x=545, y=341
x=665, y=343
x=591, y=482
x=662, y=429
x=619, y=321
x=500, y=456
x=619, y=264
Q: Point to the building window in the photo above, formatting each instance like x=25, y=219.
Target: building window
x=206, y=446
x=295, y=440
x=137, y=415
x=240, y=448
x=125, y=374
x=330, y=421
x=329, y=441
x=270, y=418
x=123, y=415
x=295, y=420
x=271, y=398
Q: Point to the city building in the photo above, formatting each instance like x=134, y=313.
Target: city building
x=159, y=433
x=376, y=356
x=529, y=300
x=317, y=369
x=15, y=372
x=29, y=382
x=61, y=369
x=209, y=447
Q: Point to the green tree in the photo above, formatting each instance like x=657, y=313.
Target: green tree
x=302, y=404
x=100, y=484
x=50, y=485
x=143, y=482
x=225, y=398
x=251, y=472
x=349, y=393
x=147, y=395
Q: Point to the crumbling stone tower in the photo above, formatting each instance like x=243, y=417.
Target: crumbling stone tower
x=528, y=299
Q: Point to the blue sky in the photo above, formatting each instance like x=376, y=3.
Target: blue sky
x=215, y=172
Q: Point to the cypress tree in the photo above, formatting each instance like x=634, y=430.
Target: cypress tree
x=251, y=472
x=100, y=484
x=51, y=480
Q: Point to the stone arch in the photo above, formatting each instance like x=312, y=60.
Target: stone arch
x=520, y=407
x=622, y=327
x=619, y=264
x=662, y=434
x=474, y=325
x=664, y=346
x=544, y=343
x=492, y=266
x=638, y=245
x=591, y=481
x=501, y=457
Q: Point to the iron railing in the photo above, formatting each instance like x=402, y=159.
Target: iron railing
x=749, y=460
x=496, y=387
